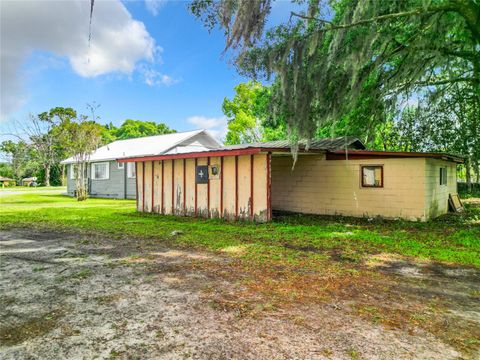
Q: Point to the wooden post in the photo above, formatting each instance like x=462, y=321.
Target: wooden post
x=196, y=162
x=184, y=187
x=269, y=186
x=236, y=186
x=137, y=179
x=221, y=186
x=251, y=186
x=143, y=186
x=152, y=187
x=173, y=187
x=163, y=190
x=208, y=187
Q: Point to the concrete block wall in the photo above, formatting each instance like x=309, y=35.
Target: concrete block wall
x=333, y=187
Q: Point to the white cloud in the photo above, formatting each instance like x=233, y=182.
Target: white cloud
x=153, y=77
x=216, y=126
x=154, y=6
x=118, y=41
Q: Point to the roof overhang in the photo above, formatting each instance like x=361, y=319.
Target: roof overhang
x=216, y=153
x=371, y=154
x=192, y=155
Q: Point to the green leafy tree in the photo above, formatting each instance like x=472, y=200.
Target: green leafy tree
x=248, y=115
x=6, y=170
x=369, y=49
x=21, y=159
x=137, y=128
x=41, y=135
x=81, y=137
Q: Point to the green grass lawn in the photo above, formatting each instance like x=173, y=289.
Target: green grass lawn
x=294, y=239
x=10, y=189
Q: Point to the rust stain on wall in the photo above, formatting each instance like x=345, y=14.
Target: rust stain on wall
x=224, y=189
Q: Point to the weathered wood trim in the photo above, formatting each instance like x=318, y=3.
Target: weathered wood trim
x=208, y=187
x=372, y=154
x=251, y=187
x=184, y=186
x=269, y=186
x=137, y=179
x=163, y=190
x=173, y=187
x=196, y=155
x=196, y=190
x=143, y=186
x=236, y=186
x=152, y=187
x=221, y=186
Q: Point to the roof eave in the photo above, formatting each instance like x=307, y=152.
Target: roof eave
x=343, y=154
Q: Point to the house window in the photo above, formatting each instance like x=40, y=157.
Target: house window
x=73, y=170
x=100, y=171
x=372, y=176
x=131, y=171
x=121, y=165
x=443, y=176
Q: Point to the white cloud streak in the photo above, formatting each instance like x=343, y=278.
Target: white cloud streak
x=154, y=6
x=153, y=77
x=118, y=42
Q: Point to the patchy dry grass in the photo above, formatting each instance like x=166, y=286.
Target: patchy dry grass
x=391, y=273
x=291, y=239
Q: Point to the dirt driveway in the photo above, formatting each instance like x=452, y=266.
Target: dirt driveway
x=66, y=296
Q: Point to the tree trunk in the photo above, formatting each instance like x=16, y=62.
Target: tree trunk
x=63, y=175
x=47, y=174
x=468, y=175
x=477, y=171
x=81, y=189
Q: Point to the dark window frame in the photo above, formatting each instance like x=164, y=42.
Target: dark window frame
x=443, y=173
x=362, y=178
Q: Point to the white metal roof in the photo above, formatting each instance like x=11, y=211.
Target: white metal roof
x=145, y=146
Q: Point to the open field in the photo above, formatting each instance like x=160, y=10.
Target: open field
x=98, y=278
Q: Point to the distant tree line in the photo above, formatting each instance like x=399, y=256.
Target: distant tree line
x=44, y=140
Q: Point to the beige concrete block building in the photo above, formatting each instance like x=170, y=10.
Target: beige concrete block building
x=330, y=177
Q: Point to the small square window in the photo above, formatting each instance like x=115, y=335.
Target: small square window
x=100, y=171
x=443, y=176
x=372, y=176
x=121, y=165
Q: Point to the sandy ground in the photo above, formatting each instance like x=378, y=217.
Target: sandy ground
x=67, y=296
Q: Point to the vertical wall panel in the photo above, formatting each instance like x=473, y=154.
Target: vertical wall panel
x=157, y=186
x=190, y=186
x=139, y=175
x=244, y=187
x=260, y=207
x=237, y=197
x=148, y=186
x=202, y=202
x=229, y=187
x=215, y=190
x=178, y=187
x=167, y=186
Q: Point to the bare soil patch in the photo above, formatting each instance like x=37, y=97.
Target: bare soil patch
x=65, y=295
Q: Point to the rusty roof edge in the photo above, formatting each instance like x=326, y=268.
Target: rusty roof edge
x=215, y=152
x=454, y=157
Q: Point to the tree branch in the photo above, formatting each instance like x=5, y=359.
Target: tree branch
x=417, y=11
x=445, y=82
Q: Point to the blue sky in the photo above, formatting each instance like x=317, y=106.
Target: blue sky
x=170, y=69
